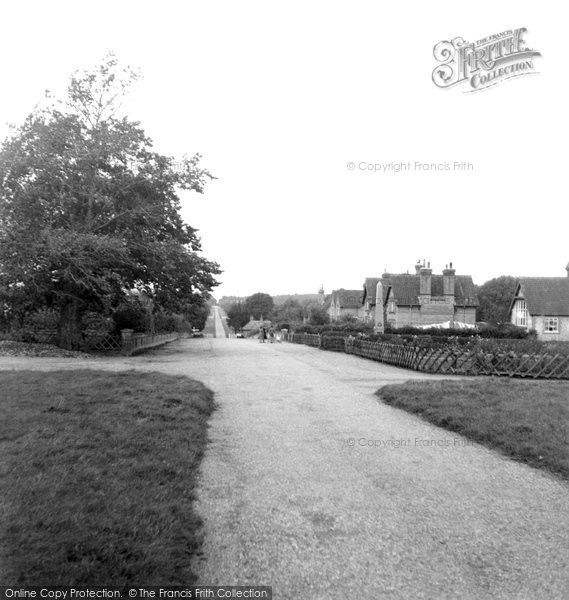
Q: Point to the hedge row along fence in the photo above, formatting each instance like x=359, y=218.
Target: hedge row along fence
x=127, y=343
x=443, y=360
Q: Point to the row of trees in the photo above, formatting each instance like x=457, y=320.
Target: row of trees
x=89, y=211
x=262, y=306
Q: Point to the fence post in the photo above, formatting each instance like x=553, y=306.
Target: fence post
x=126, y=341
x=320, y=341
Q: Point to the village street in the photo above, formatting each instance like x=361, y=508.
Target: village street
x=312, y=485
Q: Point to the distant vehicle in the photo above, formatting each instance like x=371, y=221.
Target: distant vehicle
x=239, y=334
x=196, y=332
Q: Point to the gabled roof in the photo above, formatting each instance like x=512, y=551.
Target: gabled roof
x=347, y=298
x=370, y=287
x=545, y=295
x=406, y=288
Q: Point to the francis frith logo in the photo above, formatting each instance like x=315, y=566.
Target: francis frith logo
x=483, y=63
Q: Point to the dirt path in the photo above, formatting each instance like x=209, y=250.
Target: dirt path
x=293, y=496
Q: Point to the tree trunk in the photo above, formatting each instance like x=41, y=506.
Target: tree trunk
x=70, y=335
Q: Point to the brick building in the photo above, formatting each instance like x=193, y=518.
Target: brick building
x=345, y=302
x=427, y=299
x=542, y=303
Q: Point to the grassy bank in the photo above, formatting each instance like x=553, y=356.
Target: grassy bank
x=97, y=477
x=527, y=420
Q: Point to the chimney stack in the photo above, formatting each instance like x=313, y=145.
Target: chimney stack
x=418, y=267
x=449, y=280
x=425, y=281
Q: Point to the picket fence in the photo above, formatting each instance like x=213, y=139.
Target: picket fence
x=444, y=360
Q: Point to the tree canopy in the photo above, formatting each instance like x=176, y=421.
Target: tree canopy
x=88, y=210
x=495, y=297
x=260, y=305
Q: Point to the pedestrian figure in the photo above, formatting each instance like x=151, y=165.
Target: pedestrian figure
x=271, y=335
x=262, y=335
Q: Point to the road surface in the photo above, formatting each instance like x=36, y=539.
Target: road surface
x=302, y=489
x=214, y=326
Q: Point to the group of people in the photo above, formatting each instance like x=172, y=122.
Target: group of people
x=265, y=334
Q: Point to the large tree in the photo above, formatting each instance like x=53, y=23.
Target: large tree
x=237, y=316
x=290, y=311
x=88, y=210
x=495, y=297
x=260, y=305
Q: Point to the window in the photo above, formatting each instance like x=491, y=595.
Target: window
x=521, y=313
x=551, y=325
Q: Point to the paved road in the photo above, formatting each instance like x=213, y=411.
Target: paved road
x=288, y=502
x=214, y=326
x=219, y=324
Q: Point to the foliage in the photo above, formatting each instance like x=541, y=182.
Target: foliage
x=237, y=316
x=89, y=210
x=132, y=315
x=337, y=327
x=290, y=311
x=167, y=322
x=94, y=321
x=196, y=314
x=43, y=318
x=259, y=305
x=318, y=316
x=495, y=297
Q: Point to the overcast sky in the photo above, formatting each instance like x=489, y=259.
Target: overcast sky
x=280, y=97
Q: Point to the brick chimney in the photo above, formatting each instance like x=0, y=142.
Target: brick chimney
x=425, y=281
x=418, y=267
x=449, y=279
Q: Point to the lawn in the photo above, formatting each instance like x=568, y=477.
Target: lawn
x=527, y=420
x=97, y=477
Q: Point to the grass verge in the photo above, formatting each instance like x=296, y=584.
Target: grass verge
x=527, y=420
x=97, y=477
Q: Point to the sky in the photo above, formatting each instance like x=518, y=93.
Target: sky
x=281, y=99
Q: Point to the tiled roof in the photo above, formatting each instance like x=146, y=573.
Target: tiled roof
x=370, y=287
x=406, y=289
x=347, y=298
x=545, y=295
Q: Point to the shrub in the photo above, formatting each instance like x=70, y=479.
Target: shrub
x=97, y=323
x=164, y=322
x=131, y=315
x=44, y=318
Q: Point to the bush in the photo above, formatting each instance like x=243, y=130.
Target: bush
x=496, y=339
x=131, y=315
x=44, y=318
x=97, y=323
x=164, y=322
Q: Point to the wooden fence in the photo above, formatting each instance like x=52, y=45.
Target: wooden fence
x=143, y=341
x=444, y=360
x=107, y=342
